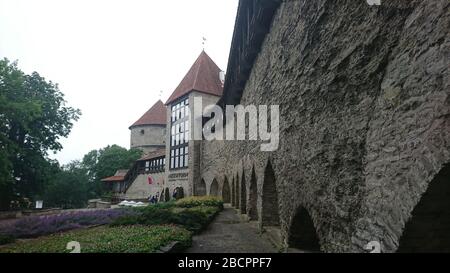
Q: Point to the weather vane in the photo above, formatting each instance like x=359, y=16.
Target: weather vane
x=203, y=42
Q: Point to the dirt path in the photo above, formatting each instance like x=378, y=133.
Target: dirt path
x=229, y=234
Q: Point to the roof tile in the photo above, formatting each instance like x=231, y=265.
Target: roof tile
x=156, y=115
x=204, y=76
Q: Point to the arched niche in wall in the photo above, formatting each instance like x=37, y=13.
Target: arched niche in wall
x=243, y=194
x=302, y=233
x=201, y=188
x=214, y=189
x=428, y=230
x=237, y=193
x=233, y=193
x=226, y=196
x=253, y=197
x=269, y=213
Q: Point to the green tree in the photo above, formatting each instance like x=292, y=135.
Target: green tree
x=105, y=162
x=69, y=188
x=33, y=116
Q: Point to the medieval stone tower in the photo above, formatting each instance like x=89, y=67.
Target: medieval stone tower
x=203, y=80
x=148, y=132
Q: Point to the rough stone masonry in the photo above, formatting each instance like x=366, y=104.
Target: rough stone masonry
x=364, y=127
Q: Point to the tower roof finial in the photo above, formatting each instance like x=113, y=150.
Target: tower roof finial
x=203, y=42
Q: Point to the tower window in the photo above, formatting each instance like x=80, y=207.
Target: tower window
x=179, y=137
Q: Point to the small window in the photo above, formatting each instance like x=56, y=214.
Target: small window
x=142, y=131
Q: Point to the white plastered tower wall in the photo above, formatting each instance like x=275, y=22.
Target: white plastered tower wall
x=148, y=138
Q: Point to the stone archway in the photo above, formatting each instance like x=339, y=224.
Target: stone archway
x=179, y=193
x=214, y=189
x=253, y=197
x=243, y=194
x=302, y=233
x=428, y=229
x=226, y=195
x=269, y=213
x=201, y=188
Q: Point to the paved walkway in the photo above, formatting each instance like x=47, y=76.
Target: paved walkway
x=229, y=234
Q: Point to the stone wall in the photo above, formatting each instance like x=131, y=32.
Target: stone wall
x=365, y=117
x=149, y=138
x=140, y=189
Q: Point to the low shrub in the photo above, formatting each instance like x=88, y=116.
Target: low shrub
x=125, y=239
x=151, y=215
x=6, y=239
x=193, y=219
x=195, y=201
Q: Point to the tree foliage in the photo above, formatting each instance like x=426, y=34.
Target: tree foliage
x=106, y=161
x=69, y=188
x=33, y=117
x=77, y=182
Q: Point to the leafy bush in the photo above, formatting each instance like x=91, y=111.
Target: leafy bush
x=6, y=239
x=193, y=219
x=195, y=201
x=132, y=239
x=34, y=226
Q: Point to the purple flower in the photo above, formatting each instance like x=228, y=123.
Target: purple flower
x=33, y=226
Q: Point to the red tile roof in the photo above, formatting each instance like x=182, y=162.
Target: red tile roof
x=157, y=115
x=119, y=176
x=113, y=179
x=155, y=154
x=202, y=77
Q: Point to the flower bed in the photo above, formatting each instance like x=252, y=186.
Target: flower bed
x=34, y=226
x=144, y=229
x=192, y=213
x=121, y=239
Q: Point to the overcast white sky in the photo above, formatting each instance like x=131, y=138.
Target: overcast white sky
x=112, y=58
